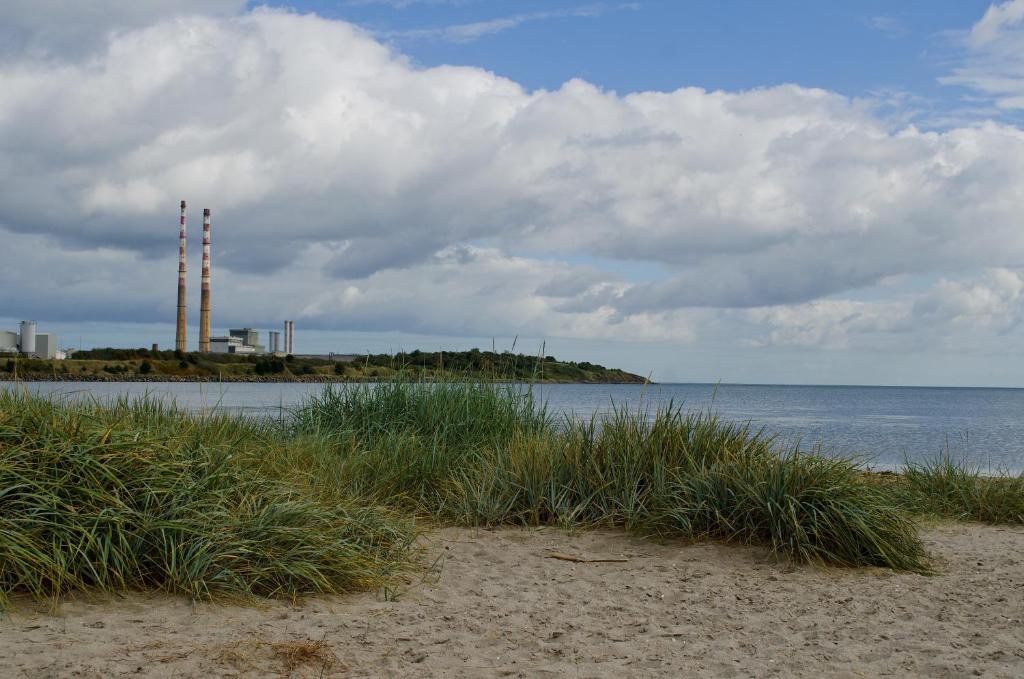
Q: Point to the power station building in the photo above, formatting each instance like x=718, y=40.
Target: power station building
x=238, y=341
x=28, y=342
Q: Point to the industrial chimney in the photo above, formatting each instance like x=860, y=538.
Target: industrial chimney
x=179, y=337
x=289, y=335
x=204, y=299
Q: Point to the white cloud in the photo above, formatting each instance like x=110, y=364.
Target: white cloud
x=995, y=65
x=469, y=32
x=58, y=28
x=995, y=300
x=957, y=315
x=365, y=192
x=889, y=26
x=403, y=4
x=999, y=18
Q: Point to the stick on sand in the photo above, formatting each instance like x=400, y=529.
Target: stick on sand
x=577, y=559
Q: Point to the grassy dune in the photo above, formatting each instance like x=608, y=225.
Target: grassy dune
x=137, y=495
x=485, y=455
x=140, y=495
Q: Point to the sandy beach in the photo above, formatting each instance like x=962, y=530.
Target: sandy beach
x=498, y=605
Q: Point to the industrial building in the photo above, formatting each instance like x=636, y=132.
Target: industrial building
x=29, y=343
x=238, y=341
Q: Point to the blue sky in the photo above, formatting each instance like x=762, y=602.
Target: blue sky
x=856, y=48
x=794, y=192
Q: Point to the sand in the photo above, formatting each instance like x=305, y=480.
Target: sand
x=499, y=607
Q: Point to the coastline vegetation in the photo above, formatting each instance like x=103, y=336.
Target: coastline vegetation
x=148, y=365
x=140, y=495
x=947, y=488
x=137, y=494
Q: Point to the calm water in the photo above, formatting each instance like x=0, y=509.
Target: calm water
x=884, y=425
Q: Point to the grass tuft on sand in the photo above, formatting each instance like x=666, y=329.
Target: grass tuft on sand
x=140, y=495
x=953, y=489
x=484, y=454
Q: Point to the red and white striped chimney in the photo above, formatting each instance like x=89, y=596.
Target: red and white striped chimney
x=179, y=336
x=204, y=300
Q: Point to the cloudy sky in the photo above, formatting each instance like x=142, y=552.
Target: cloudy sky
x=740, y=191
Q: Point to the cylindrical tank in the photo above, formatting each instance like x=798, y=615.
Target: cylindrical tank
x=28, y=337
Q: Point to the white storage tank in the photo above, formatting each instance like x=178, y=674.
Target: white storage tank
x=28, y=337
x=8, y=341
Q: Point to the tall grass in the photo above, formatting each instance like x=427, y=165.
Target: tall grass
x=478, y=454
x=949, y=488
x=140, y=495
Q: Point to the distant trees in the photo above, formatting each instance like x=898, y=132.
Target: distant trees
x=271, y=366
x=474, y=362
x=114, y=354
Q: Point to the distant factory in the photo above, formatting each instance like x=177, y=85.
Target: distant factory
x=30, y=343
x=247, y=341
x=237, y=341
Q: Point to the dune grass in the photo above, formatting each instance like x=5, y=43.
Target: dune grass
x=953, y=489
x=479, y=454
x=140, y=495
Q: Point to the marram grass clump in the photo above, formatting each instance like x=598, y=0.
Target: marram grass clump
x=139, y=495
x=480, y=454
x=954, y=489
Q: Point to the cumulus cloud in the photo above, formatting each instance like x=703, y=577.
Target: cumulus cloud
x=368, y=192
x=60, y=29
x=957, y=315
x=995, y=300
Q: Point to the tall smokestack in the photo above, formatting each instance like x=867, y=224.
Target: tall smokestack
x=179, y=336
x=204, y=299
x=289, y=333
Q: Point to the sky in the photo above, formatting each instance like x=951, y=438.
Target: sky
x=794, y=192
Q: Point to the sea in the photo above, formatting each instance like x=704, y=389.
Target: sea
x=882, y=427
